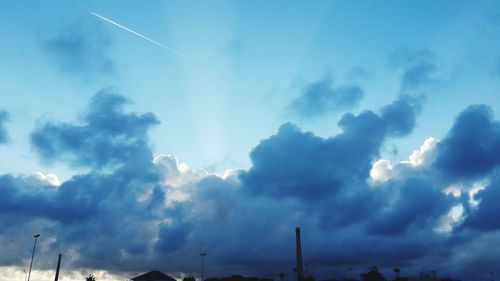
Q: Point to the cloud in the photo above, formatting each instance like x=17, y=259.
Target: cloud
x=383, y=170
x=81, y=49
x=407, y=212
x=298, y=164
x=172, y=237
x=107, y=136
x=117, y=206
x=4, y=118
x=418, y=68
x=471, y=148
x=485, y=217
x=52, y=179
x=425, y=154
x=321, y=97
x=131, y=211
x=400, y=115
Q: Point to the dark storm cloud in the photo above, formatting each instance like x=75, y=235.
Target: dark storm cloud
x=107, y=136
x=417, y=67
x=4, y=118
x=472, y=147
x=110, y=215
x=321, y=97
x=323, y=183
x=132, y=212
x=296, y=164
x=81, y=49
x=486, y=216
x=400, y=115
x=408, y=212
x=21, y=203
x=172, y=237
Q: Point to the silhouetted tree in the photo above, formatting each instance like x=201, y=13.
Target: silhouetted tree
x=282, y=276
x=396, y=273
x=373, y=275
x=188, y=278
x=90, y=278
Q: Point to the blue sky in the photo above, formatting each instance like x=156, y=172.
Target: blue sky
x=264, y=101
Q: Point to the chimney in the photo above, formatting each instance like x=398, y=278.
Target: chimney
x=58, y=267
x=298, y=268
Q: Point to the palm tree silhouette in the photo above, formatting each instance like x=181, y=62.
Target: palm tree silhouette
x=396, y=273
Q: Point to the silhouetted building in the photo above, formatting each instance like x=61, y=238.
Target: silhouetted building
x=153, y=276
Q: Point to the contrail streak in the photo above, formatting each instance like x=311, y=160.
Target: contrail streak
x=133, y=32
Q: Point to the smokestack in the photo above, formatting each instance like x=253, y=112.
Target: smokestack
x=58, y=267
x=298, y=267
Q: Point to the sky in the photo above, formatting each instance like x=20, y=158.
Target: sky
x=372, y=125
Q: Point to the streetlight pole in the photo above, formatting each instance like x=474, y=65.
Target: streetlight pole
x=33, y=255
x=202, y=265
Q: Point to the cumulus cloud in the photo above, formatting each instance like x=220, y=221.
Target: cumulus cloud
x=52, y=179
x=322, y=97
x=485, y=216
x=81, y=49
x=131, y=211
x=383, y=170
x=4, y=118
x=471, y=148
x=407, y=212
x=418, y=68
x=118, y=207
x=178, y=174
x=425, y=154
x=297, y=164
x=106, y=136
x=322, y=186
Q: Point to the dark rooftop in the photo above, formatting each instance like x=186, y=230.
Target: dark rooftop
x=153, y=276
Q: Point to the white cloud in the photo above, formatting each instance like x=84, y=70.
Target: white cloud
x=51, y=179
x=178, y=174
x=473, y=190
x=424, y=154
x=383, y=170
x=454, y=217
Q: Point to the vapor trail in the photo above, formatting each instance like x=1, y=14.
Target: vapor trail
x=136, y=33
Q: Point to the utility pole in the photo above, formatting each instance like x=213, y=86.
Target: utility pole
x=202, y=265
x=33, y=255
x=58, y=267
